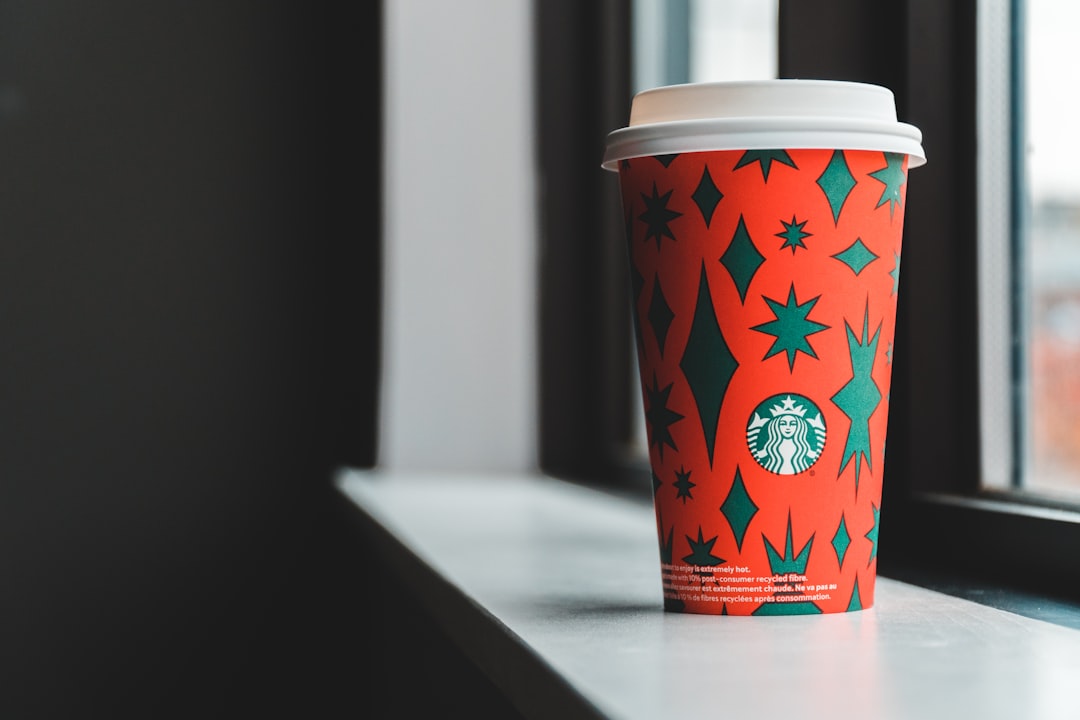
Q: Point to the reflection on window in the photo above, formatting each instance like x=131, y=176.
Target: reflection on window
x=1051, y=262
x=678, y=41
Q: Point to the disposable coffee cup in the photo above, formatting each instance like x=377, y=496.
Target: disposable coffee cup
x=764, y=223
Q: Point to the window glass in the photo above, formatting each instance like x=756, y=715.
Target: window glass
x=1050, y=260
x=678, y=41
x=997, y=207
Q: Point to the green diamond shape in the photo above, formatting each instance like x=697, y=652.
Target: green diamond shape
x=857, y=256
x=739, y=509
x=742, y=259
x=841, y=540
x=707, y=196
x=836, y=182
x=660, y=315
x=707, y=363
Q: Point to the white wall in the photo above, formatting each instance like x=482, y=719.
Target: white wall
x=459, y=375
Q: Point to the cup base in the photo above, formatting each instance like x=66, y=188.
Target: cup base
x=768, y=609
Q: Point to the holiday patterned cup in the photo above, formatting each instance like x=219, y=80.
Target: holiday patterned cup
x=764, y=286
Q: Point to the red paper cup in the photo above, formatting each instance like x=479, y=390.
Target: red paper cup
x=764, y=223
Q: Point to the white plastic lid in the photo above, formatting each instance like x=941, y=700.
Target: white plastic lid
x=763, y=115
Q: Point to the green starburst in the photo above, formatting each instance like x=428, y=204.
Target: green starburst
x=765, y=159
x=658, y=215
x=660, y=417
x=683, y=486
x=701, y=551
x=789, y=562
x=855, y=603
x=793, y=234
x=790, y=327
x=859, y=398
x=893, y=177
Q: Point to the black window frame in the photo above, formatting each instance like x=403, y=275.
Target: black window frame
x=939, y=526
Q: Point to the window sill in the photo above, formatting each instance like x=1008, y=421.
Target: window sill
x=553, y=590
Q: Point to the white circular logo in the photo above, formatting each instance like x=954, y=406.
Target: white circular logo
x=786, y=434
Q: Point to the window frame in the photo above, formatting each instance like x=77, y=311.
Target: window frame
x=940, y=525
x=583, y=85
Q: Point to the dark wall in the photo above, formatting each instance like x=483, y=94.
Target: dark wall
x=189, y=254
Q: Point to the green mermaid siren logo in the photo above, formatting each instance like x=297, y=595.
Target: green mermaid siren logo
x=786, y=434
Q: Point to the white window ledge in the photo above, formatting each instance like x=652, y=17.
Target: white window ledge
x=553, y=590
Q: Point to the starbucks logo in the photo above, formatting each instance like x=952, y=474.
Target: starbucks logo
x=786, y=434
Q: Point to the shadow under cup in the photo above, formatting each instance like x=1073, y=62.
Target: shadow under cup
x=764, y=289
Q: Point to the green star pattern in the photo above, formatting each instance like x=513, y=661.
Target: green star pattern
x=660, y=417
x=765, y=159
x=855, y=603
x=872, y=533
x=793, y=234
x=789, y=562
x=738, y=509
x=657, y=215
x=859, y=397
x=790, y=327
x=701, y=551
x=683, y=485
x=892, y=175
